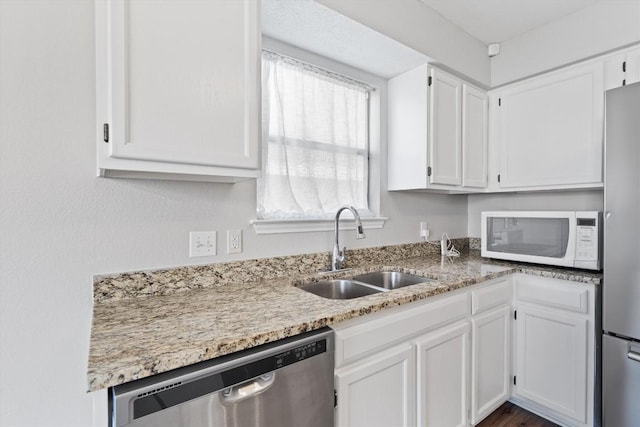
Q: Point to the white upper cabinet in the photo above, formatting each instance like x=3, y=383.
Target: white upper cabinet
x=178, y=87
x=632, y=67
x=622, y=68
x=475, y=122
x=437, y=132
x=445, y=128
x=550, y=130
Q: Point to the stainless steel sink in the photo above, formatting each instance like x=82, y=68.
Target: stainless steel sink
x=390, y=279
x=340, y=289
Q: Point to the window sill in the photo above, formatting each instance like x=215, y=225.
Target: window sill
x=276, y=226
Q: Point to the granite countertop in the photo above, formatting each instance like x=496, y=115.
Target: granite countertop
x=133, y=338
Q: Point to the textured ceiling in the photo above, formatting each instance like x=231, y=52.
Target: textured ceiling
x=316, y=28
x=494, y=21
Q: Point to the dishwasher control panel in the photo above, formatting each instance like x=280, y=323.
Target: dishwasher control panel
x=300, y=353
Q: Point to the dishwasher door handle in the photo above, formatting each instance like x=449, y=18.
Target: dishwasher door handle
x=248, y=389
x=633, y=355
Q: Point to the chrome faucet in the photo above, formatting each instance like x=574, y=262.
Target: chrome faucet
x=337, y=256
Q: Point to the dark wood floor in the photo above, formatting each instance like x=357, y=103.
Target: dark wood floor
x=510, y=415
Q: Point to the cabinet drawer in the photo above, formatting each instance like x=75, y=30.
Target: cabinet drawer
x=556, y=293
x=362, y=339
x=490, y=296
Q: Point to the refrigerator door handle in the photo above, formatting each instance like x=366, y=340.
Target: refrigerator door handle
x=633, y=355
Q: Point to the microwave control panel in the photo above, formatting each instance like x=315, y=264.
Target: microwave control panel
x=587, y=238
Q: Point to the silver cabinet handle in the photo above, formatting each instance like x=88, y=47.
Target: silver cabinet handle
x=633, y=355
x=248, y=389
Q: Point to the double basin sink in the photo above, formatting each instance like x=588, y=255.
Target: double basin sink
x=362, y=284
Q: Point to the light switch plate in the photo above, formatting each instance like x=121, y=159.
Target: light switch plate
x=202, y=243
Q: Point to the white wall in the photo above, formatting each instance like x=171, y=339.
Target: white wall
x=596, y=29
x=421, y=28
x=59, y=224
x=557, y=200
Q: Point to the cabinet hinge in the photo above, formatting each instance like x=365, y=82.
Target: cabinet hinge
x=499, y=102
x=624, y=66
x=429, y=171
x=335, y=398
x=105, y=132
x=429, y=81
x=514, y=380
x=515, y=314
x=498, y=177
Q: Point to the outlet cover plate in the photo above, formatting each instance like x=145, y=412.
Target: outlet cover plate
x=234, y=241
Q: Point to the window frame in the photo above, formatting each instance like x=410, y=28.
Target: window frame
x=371, y=218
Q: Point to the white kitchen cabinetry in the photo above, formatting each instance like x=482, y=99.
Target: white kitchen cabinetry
x=444, y=128
x=372, y=360
x=443, y=376
x=632, y=66
x=475, y=137
x=490, y=348
x=455, y=358
x=549, y=131
x=622, y=68
x=491, y=367
x=376, y=362
x=554, y=353
x=178, y=89
x=379, y=391
x=437, y=132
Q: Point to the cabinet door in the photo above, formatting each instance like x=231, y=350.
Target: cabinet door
x=490, y=362
x=632, y=67
x=445, y=142
x=379, y=391
x=474, y=137
x=181, y=80
x=614, y=71
x=443, y=376
x=551, y=360
x=551, y=129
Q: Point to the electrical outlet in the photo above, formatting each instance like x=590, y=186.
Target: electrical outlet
x=234, y=241
x=202, y=243
x=424, y=230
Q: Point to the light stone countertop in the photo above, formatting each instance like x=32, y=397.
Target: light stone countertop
x=134, y=338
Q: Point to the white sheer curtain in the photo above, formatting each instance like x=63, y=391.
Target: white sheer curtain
x=315, y=141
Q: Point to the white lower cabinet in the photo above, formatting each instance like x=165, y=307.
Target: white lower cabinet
x=379, y=391
x=555, y=349
x=451, y=360
x=552, y=360
x=443, y=376
x=490, y=356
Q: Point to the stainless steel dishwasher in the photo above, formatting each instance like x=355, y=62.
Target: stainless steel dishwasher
x=285, y=383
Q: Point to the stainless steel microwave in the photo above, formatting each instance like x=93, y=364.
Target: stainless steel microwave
x=562, y=238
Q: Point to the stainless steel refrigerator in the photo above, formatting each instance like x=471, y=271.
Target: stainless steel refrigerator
x=621, y=287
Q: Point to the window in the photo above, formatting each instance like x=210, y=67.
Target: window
x=315, y=141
